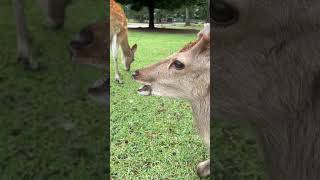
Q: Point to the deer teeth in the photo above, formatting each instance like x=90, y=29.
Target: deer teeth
x=145, y=90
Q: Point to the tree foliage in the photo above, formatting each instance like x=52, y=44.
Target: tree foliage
x=137, y=5
x=173, y=8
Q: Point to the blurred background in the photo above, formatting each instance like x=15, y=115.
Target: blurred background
x=165, y=13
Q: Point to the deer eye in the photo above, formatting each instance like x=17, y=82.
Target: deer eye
x=223, y=13
x=178, y=65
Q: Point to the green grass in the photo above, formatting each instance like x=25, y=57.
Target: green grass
x=152, y=137
x=49, y=128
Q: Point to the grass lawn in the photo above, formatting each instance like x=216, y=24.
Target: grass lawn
x=154, y=137
x=49, y=128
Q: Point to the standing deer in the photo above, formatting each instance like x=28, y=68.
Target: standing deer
x=119, y=36
x=184, y=75
x=266, y=70
x=54, y=11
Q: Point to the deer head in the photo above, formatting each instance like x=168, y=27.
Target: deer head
x=185, y=74
x=249, y=37
x=90, y=45
x=128, y=58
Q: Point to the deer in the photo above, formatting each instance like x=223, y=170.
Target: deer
x=54, y=12
x=119, y=37
x=265, y=72
x=90, y=46
x=184, y=75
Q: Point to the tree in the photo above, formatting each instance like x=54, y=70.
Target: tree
x=195, y=4
x=190, y=8
x=152, y=5
x=187, y=17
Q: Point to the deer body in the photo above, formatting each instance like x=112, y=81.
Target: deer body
x=119, y=37
x=266, y=71
x=184, y=75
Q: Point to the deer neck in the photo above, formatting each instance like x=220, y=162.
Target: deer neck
x=126, y=49
x=201, y=114
x=292, y=147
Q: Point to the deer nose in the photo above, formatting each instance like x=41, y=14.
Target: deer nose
x=135, y=74
x=223, y=13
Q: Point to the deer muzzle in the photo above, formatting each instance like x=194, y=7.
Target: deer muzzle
x=146, y=89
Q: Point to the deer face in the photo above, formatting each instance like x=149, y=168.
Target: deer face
x=183, y=75
x=238, y=28
x=55, y=11
x=236, y=20
x=129, y=58
x=248, y=37
x=90, y=46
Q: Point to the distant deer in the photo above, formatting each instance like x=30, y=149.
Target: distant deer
x=119, y=37
x=185, y=75
x=91, y=46
x=266, y=71
x=54, y=11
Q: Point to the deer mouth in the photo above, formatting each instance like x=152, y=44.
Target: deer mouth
x=145, y=90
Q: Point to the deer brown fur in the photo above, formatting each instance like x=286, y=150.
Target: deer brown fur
x=266, y=71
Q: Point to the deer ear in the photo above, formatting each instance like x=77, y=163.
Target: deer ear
x=201, y=45
x=205, y=31
x=134, y=48
x=206, y=37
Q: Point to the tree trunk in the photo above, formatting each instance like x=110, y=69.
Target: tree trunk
x=151, y=13
x=209, y=11
x=187, y=17
x=141, y=20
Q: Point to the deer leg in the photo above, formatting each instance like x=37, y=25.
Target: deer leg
x=24, y=50
x=115, y=49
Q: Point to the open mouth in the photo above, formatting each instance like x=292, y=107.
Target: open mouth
x=145, y=90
